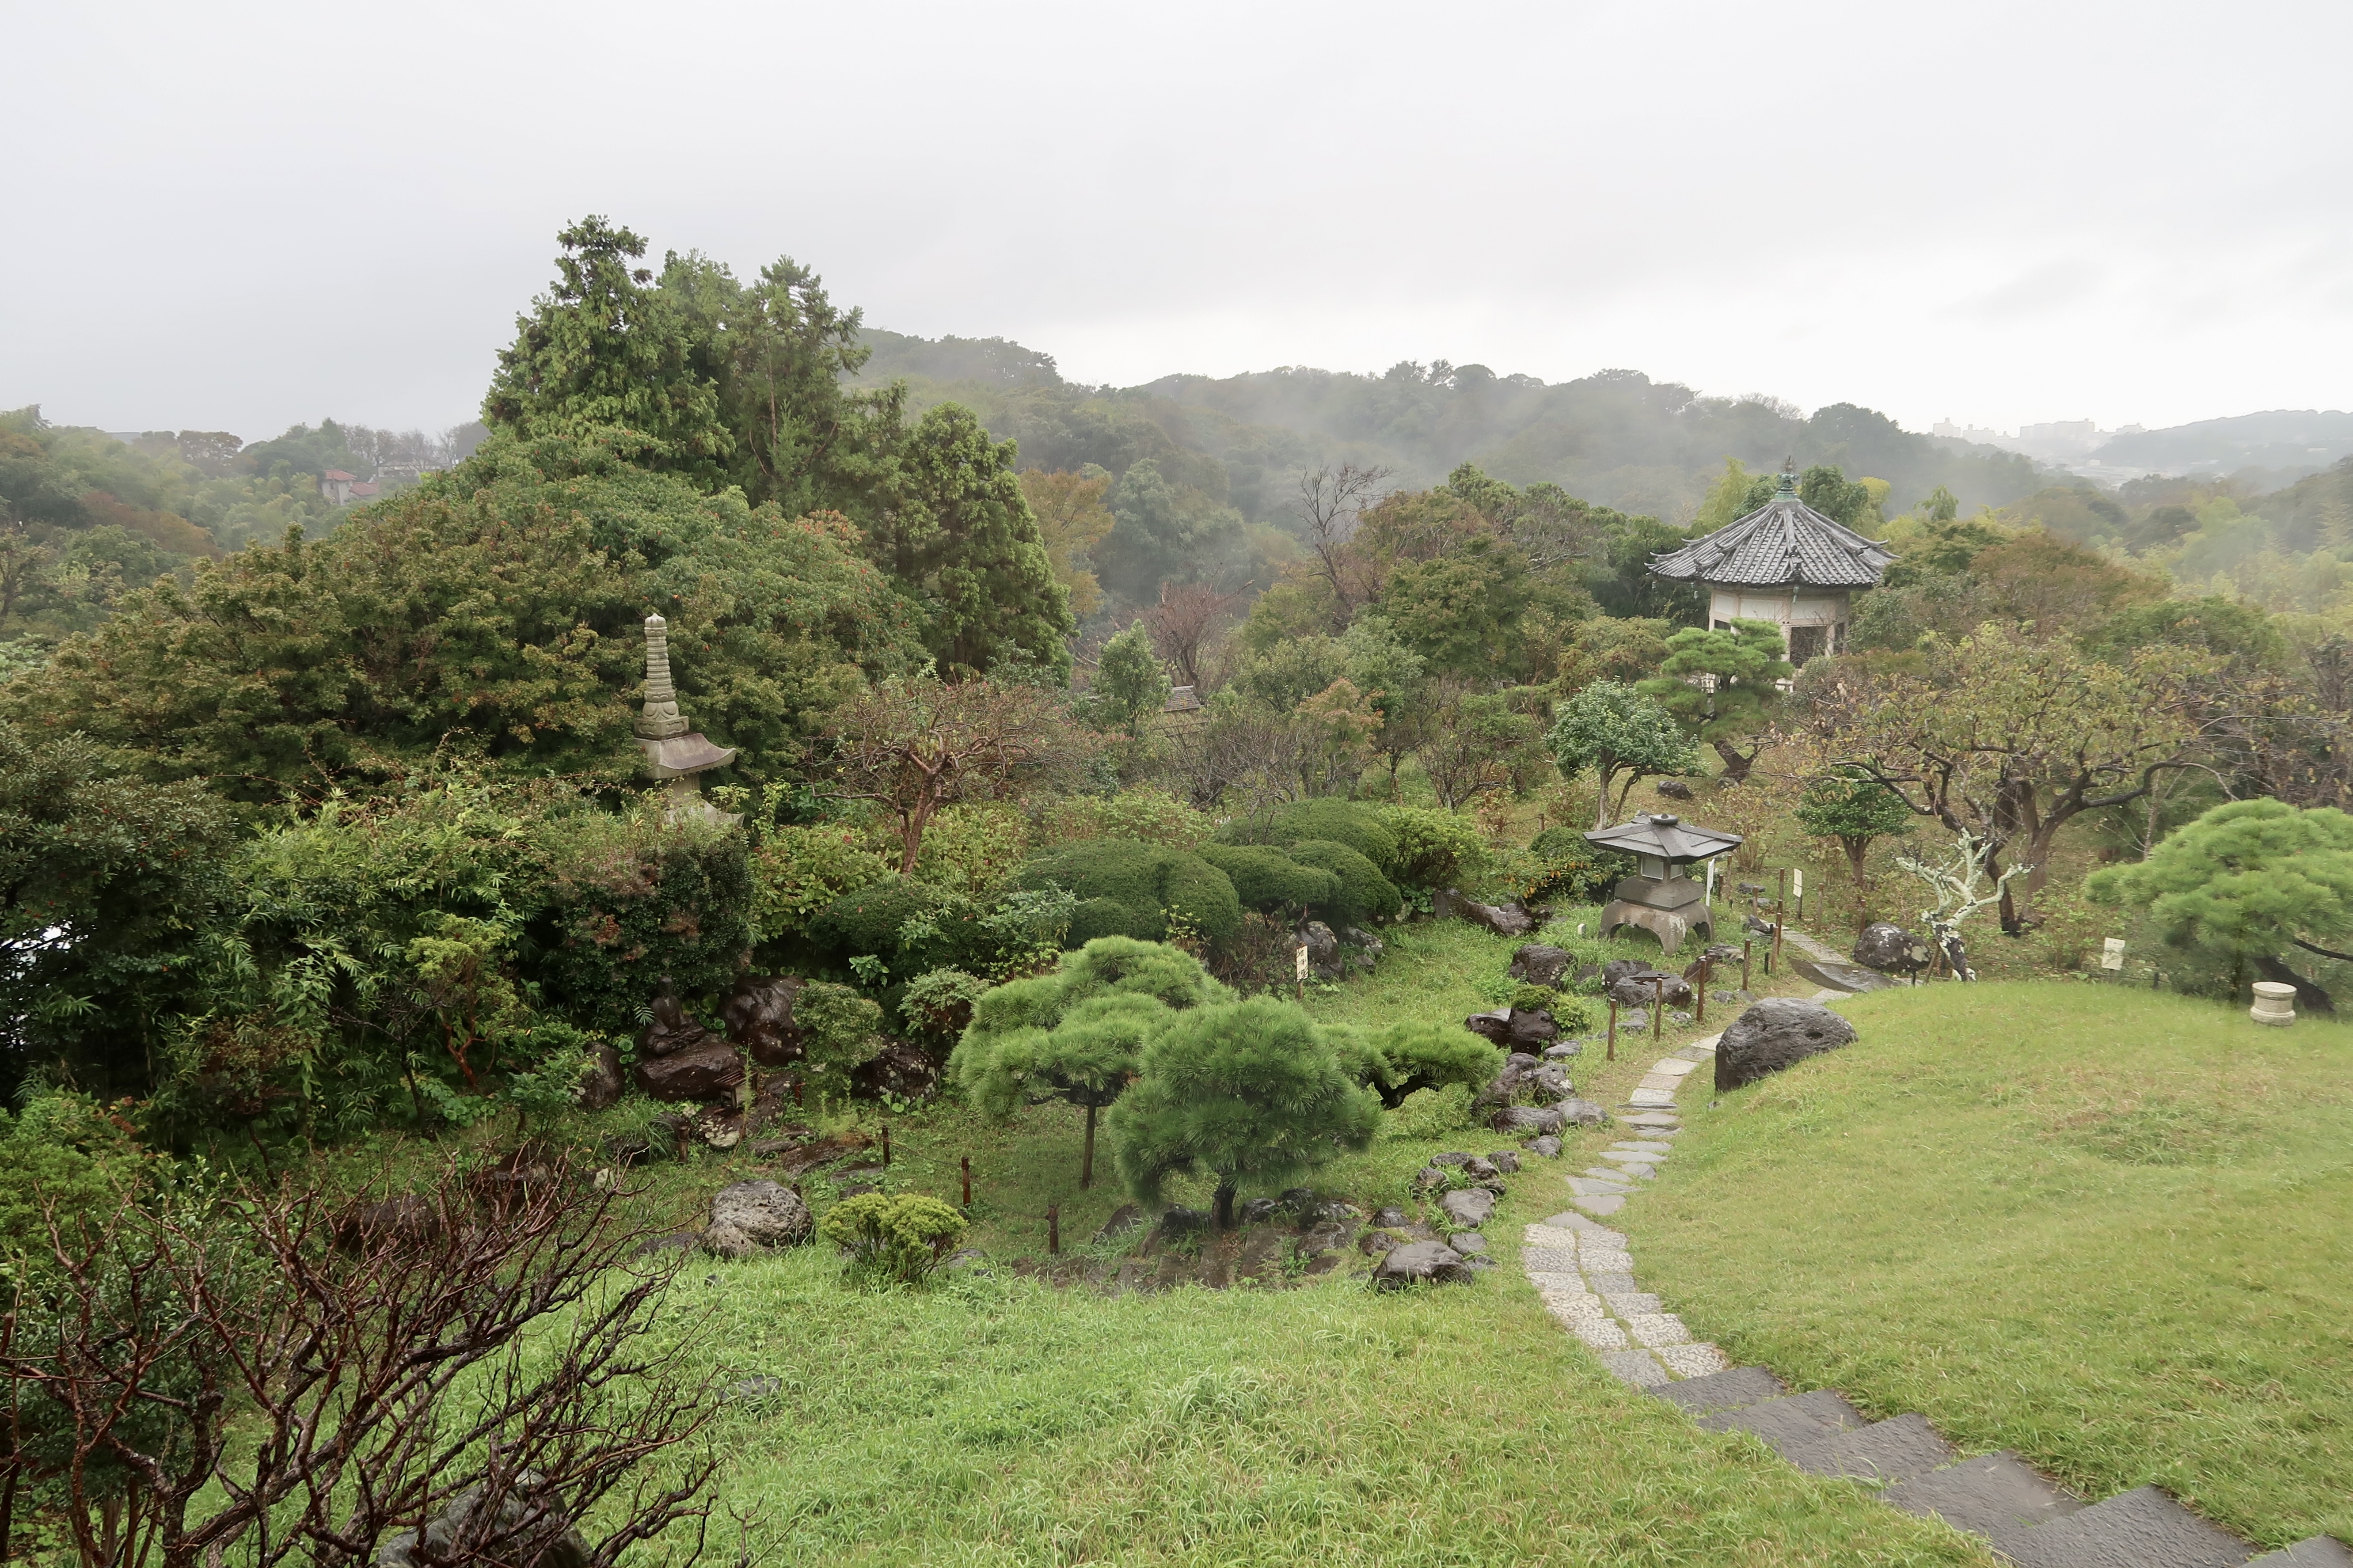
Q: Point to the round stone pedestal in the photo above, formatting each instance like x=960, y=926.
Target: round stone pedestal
x=2275, y=1004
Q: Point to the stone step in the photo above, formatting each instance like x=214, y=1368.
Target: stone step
x=2140, y=1529
x=1723, y=1389
x=2315, y=1552
x=1893, y=1450
x=1793, y=1419
x=1998, y=1496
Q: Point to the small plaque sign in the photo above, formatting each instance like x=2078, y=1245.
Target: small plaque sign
x=2112, y=952
x=1299, y=959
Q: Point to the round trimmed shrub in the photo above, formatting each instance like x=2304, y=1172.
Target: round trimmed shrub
x=1366, y=895
x=1348, y=822
x=1270, y=881
x=1149, y=882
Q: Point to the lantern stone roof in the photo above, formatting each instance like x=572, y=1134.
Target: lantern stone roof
x=1783, y=543
x=1671, y=838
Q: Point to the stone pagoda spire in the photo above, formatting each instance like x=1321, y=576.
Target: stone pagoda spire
x=675, y=755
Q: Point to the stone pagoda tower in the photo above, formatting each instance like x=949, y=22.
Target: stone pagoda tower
x=674, y=755
x=1783, y=562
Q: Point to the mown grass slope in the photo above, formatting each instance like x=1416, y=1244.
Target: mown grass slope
x=2111, y=1229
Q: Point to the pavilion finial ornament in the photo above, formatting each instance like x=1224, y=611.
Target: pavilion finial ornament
x=676, y=756
x=1789, y=486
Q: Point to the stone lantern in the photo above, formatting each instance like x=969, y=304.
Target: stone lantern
x=674, y=755
x=1658, y=897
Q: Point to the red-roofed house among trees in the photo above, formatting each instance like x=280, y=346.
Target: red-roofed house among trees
x=344, y=488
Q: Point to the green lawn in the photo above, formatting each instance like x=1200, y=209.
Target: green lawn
x=996, y=1420
x=2110, y=1229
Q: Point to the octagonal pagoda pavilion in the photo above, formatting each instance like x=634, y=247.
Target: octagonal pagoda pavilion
x=1783, y=562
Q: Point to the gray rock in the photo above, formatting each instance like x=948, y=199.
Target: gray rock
x=1642, y=988
x=1421, y=1263
x=1391, y=1219
x=1526, y=1078
x=1538, y=965
x=1480, y=1169
x=676, y=1241
x=752, y=1217
x=601, y=1087
x=1561, y=1050
x=1546, y=1148
x=1679, y=1019
x=1733, y=998
x=1431, y=1179
x=1451, y=1157
x=1502, y=920
x=1466, y=1242
x=759, y=1014
x=1528, y=1119
x=1505, y=1162
x=544, y=1536
x=1637, y=1022
x=1372, y=946
x=1124, y=1219
x=1673, y=789
x=1323, y=951
x=1775, y=1034
x=1890, y=949
x=1469, y=1208
x=1581, y=1113
x=1181, y=1221
x=701, y=1072
x=1257, y=1210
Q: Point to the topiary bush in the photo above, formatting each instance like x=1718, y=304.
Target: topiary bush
x=1365, y=895
x=1434, y=849
x=1352, y=823
x=1409, y=1056
x=1560, y=863
x=889, y=1236
x=872, y=919
x=1270, y=881
x=841, y=1031
x=1127, y=888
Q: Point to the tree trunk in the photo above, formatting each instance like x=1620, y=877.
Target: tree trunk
x=2309, y=996
x=1087, y=1160
x=1224, y=1206
x=1735, y=766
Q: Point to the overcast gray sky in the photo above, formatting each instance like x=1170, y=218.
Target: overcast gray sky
x=240, y=216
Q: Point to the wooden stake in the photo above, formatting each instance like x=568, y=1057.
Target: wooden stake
x=968, y=1181
x=1704, y=971
x=1658, y=1007
x=1613, y=1029
x=797, y=1091
x=1053, y=1230
x=1747, y=945
x=886, y=1145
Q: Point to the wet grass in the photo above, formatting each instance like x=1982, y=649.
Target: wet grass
x=2110, y=1229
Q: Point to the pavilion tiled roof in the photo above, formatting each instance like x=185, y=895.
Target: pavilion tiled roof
x=1782, y=542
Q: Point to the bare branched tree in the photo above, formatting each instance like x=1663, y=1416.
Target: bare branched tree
x=1330, y=506
x=272, y=1374
x=1956, y=883
x=915, y=746
x=1180, y=625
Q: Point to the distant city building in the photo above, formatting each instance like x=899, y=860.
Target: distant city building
x=1783, y=562
x=346, y=489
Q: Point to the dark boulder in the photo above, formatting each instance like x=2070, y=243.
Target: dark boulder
x=1480, y=1169
x=1390, y=1218
x=1546, y=1148
x=601, y=1087
x=1538, y=964
x=759, y=1014
x=1774, y=1033
x=1890, y=949
x=1421, y=1263
x=1642, y=987
x=897, y=1068
x=1526, y=1079
x=1673, y=789
x=706, y=1072
x=1529, y=1119
x=1505, y=1162
x=671, y=1031
x=1581, y=1113
x=1469, y=1208
x=1514, y=1029
x=1503, y=920
x=1124, y=1219
x=402, y=1222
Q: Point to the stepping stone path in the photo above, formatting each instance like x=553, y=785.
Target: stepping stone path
x=1583, y=1272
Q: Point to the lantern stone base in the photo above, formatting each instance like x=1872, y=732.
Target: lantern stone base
x=2275, y=1004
